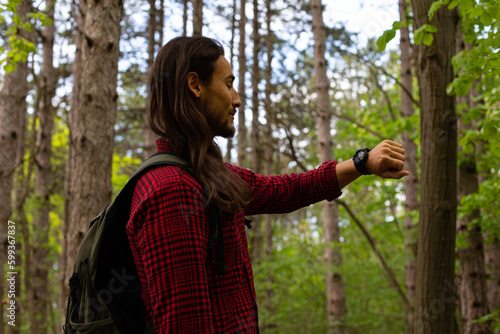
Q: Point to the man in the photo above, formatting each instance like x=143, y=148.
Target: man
x=192, y=101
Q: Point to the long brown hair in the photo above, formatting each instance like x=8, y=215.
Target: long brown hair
x=177, y=116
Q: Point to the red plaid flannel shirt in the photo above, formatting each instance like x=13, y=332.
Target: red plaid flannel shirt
x=168, y=234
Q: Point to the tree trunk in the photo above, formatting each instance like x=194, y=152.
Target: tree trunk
x=268, y=148
x=492, y=261
x=19, y=197
x=435, y=291
x=242, y=61
x=91, y=142
x=335, y=293
x=231, y=49
x=79, y=13
x=161, y=24
x=41, y=221
x=491, y=241
x=12, y=104
x=411, y=181
x=184, y=17
x=472, y=271
x=257, y=224
x=197, y=17
x=150, y=137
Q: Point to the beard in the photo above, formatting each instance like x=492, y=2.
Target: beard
x=221, y=128
x=227, y=131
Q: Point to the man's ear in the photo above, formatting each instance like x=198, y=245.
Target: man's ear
x=194, y=84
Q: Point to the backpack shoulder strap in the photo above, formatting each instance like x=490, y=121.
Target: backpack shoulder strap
x=159, y=159
x=162, y=158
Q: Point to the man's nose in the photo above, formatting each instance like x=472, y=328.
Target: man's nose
x=236, y=100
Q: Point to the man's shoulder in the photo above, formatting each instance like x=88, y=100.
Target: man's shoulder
x=166, y=178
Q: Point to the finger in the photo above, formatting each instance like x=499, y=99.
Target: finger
x=393, y=143
x=398, y=156
x=398, y=149
x=395, y=174
x=388, y=148
x=394, y=164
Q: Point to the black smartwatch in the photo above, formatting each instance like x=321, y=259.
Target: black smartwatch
x=360, y=158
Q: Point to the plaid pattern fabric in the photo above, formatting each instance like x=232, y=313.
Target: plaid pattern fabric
x=168, y=234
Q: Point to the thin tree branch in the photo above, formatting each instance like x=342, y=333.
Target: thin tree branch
x=352, y=120
x=383, y=70
x=371, y=241
x=289, y=136
x=386, y=96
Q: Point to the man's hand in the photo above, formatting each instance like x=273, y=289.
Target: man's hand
x=387, y=160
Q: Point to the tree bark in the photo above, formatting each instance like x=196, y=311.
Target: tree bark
x=12, y=104
x=43, y=175
x=79, y=13
x=435, y=291
x=411, y=181
x=256, y=154
x=492, y=261
x=268, y=148
x=91, y=142
x=471, y=271
x=242, y=62
x=21, y=194
x=184, y=17
x=197, y=17
x=335, y=291
x=231, y=49
x=161, y=24
x=150, y=137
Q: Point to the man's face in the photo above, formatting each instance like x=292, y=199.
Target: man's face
x=219, y=100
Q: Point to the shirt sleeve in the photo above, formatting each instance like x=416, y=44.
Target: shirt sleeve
x=173, y=250
x=287, y=193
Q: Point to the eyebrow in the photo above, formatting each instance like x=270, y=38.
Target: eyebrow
x=230, y=76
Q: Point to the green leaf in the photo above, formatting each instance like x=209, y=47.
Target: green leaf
x=430, y=28
x=428, y=38
x=466, y=5
x=493, y=11
x=408, y=125
x=450, y=89
x=47, y=21
x=17, y=57
x=396, y=25
x=434, y=7
x=386, y=37
x=381, y=43
x=17, y=20
x=419, y=35
x=486, y=19
x=453, y=4
x=9, y=67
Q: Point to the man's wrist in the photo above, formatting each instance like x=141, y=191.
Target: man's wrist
x=360, y=159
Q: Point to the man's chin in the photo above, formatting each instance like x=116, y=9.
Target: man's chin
x=227, y=133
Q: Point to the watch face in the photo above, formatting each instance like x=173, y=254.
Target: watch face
x=361, y=155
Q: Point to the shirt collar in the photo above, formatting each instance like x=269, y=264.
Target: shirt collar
x=163, y=146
